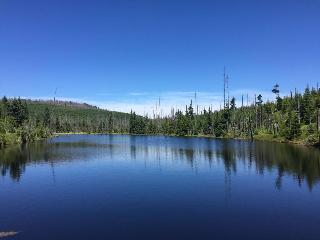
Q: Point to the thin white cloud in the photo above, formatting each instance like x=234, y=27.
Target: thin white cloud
x=147, y=103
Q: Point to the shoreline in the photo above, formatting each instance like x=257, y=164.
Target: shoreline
x=267, y=138
x=255, y=138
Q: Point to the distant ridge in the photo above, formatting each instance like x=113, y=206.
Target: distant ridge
x=63, y=103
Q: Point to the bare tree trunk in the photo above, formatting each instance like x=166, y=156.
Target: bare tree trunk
x=250, y=128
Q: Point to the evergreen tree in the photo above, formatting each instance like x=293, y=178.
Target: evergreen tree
x=190, y=119
x=137, y=124
x=260, y=101
x=4, y=109
x=276, y=91
x=220, y=123
x=292, y=126
x=132, y=122
x=306, y=107
x=152, y=128
x=46, y=117
x=57, y=125
x=102, y=126
x=233, y=103
x=110, y=124
x=207, y=126
x=181, y=124
x=295, y=125
x=18, y=110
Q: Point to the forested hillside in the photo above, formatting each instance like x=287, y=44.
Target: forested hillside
x=292, y=118
x=26, y=120
x=74, y=117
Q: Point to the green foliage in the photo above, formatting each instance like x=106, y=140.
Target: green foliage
x=292, y=118
x=260, y=101
x=47, y=117
x=233, y=103
x=152, y=128
x=137, y=124
x=67, y=117
x=282, y=120
x=110, y=123
x=18, y=110
x=167, y=126
x=182, y=125
x=291, y=129
x=306, y=107
x=207, y=123
x=276, y=90
x=24, y=121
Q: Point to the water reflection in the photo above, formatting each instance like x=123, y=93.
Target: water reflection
x=301, y=163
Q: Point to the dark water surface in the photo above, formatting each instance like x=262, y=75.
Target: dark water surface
x=141, y=187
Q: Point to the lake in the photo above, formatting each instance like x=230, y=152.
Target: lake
x=156, y=187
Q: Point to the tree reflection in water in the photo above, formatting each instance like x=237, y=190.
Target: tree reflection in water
x=302, y=163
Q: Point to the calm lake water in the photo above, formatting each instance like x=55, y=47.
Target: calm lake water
x=143, y=187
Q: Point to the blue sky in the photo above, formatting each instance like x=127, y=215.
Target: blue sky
x=125, y=54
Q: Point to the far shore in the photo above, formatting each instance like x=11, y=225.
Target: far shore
x=268, y=138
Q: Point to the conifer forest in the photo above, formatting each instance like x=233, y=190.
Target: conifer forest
x=294, y=118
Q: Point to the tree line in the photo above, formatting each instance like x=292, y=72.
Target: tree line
x=25, y=120
x=290, y=118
